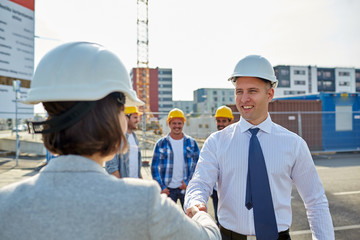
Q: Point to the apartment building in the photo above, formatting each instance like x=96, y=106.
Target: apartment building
x=295, y=80
x=186, y=106
x=160, y=89
x=207, y=100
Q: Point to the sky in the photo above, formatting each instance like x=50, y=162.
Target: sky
x=202, y=40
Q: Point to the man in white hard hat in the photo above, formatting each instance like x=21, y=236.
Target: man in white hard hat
x=175, y=157
x=129, y=163
x=223, y=117
x=84, y=88
x=255, y=163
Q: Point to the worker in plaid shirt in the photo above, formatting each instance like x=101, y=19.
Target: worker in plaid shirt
x=175, y=157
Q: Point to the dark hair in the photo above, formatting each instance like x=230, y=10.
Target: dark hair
x=98, y=132
x=268, y=82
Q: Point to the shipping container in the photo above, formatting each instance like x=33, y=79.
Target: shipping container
x=340, y=119
x=302, y=117
x=326, y=121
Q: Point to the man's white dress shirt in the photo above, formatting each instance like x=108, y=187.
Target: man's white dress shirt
x=224, y=158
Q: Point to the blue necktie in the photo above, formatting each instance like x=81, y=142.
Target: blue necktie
x=258, y=194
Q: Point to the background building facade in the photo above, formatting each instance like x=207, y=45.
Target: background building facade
x=160, y=89
x=165, y=90
x=295, y=80
x=186, y=106
x=207, y=100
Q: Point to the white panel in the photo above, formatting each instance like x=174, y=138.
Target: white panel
x=343, y=118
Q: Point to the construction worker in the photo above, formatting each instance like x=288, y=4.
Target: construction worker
x=224, y=118
x=84, y=88
x=175, y=157
x=128, y=164
x=256, y=162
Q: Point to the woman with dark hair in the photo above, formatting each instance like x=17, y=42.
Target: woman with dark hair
x=84, y=89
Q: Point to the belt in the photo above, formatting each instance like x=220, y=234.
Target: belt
x=237, y=236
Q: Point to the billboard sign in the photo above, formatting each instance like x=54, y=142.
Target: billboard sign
x=16, y=39
x=16, y=53
x=7, y=109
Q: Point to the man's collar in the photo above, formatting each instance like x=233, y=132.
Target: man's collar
x=264, y=126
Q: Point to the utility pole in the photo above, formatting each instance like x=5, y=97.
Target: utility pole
x=16, y=88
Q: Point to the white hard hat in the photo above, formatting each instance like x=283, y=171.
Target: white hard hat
x=254, y=66
x=80, y=71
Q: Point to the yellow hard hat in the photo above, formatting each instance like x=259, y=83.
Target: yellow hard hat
x=176, y=113
x=131, y=110
x=225, y=112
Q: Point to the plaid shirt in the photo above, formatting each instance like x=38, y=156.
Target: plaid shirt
x=163, y=160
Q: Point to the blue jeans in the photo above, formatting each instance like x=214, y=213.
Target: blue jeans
x=175, y=194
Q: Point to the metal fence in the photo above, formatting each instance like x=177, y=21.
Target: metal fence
x=323, y=131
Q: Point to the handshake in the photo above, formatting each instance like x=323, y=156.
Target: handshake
x=191, y=211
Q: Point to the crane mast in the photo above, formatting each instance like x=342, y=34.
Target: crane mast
x=142, y=72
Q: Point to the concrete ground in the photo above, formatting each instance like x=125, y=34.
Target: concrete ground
x=340, y=174
x=27, y=166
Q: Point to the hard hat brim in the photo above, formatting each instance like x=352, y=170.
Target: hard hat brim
x=80, y=95
x=235, y=76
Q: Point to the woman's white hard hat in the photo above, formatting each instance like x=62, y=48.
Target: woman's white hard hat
x=254, y=66
x=80, y=71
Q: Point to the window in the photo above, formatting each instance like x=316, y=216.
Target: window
x=293, y=92
x=344, y=73
x=325, y=74
x=344, y=83
x=284, y=83
x=165, y=72
x=357, y=79
x=215, y=92
x=215, y=99
x=299, y=72
x=284, y=71
x=166, y=105
x=343, y=118
x=165, y=92
x=358, y=86
x=162, y=79
x=299, y=82
x=326, y=79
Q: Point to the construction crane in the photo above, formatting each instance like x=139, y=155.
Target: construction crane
x=142, y=72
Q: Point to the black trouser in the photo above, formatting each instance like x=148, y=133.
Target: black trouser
x=215, y=202
x=175, y=194
x=230, y=235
